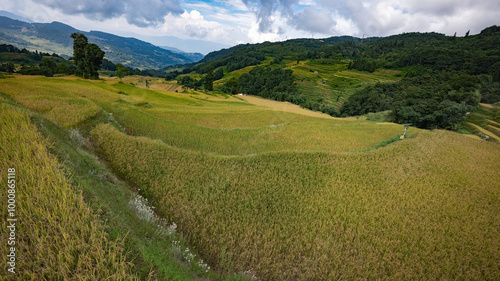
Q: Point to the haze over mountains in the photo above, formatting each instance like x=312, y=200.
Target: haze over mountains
x=55, y=37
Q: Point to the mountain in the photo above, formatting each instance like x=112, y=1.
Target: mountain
x=187, y=45
x=194, y=56
x=15, y=17
x=55, y=38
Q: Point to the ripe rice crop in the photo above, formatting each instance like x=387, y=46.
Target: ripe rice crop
x=425, y=208
x=316, y=135
x=63, y=105
x=215, y=127
x=58, y=237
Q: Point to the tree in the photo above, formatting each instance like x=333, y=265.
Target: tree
x=10, y=68
x=88, y=57
x=218, y=74
x=79, y=43
x=93, y=60
x=48, y=67
x=121, y=71
x=209, y=79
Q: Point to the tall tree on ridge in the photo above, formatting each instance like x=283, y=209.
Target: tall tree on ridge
x=88, y=57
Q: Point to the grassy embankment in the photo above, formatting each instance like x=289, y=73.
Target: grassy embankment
x=423, y=208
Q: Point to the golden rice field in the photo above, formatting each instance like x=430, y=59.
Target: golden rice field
x=285, y=196
x=64, y=105
x=424, y=208
x=57, y=236
x=216, y=127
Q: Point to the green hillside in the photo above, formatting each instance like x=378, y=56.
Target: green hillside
x=55, y=38
x=427, y=79
x=255, y=192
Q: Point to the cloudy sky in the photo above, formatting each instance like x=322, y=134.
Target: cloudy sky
x=250, y=21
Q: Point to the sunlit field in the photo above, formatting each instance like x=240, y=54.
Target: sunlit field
x=57, y=236
x=423, y=208
x=283, y=194
x=218, y=127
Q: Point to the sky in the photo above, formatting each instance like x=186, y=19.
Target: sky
x=232, y=22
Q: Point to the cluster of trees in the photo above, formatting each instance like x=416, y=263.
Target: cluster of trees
x=276, y=84
x=240, y=58
x=272, y=83
x=363, y=65
x=446, y=77
x=206, y=82
x=35, y=63
x=7, y=67
x=424, y=101
x=48, y=67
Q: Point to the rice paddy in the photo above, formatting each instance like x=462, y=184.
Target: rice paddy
x=412, y=210
x=283, y=195
x=57, y=236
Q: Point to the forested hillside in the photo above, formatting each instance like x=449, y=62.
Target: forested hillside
x=427, y=79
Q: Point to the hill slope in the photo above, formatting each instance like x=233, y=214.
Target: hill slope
x=55, y=38
x=426, y=79
x=283, y=196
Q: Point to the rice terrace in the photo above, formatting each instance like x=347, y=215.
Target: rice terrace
x=269, y=161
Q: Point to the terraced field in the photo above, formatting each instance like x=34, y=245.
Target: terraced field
x=485, y=122
x=285, y=196
x=334, y=82
x=56, y=234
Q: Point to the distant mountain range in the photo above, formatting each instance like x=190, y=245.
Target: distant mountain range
x=55, y=38
x=186, y=45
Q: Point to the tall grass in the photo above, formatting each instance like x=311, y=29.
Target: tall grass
x=58, y=237
x=424, y=208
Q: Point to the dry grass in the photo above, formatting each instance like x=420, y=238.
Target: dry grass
x=58, y=237
x=486, y=105
x=322, y=135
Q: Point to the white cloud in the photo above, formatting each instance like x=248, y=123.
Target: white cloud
x=137, y=12
x=237, y=21
x=312, y=20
